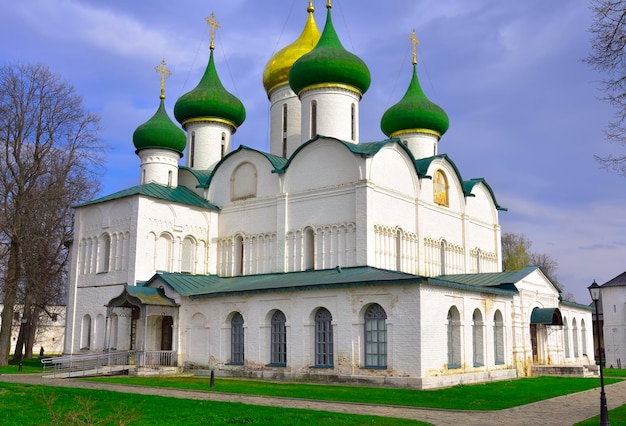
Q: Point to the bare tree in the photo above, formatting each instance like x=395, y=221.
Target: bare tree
x=50, y=157
x=608, y=30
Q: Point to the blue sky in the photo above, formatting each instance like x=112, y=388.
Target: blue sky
x=523, y=107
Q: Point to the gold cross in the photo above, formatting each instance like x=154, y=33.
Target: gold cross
x=164, y=73
x=414, y=42
x=214, y=26
x=328, y=5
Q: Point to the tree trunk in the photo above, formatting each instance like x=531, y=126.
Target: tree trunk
x=10, y=296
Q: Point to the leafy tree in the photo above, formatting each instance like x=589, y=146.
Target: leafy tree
x=608, y=30
x=516, y=254
x=49, y=160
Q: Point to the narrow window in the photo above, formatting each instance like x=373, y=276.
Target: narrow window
x=477, y=338
x=192, y=149
x=188, y=256
x=143, y=176
x=285, y=130
x=583, y=331
x=309, y=249
x=575, y=337
x=169, y=178
x=353, y=121
x=278, y=339
x=105, y=254
x=223, y=145
x=454, y=338
x=442, y=255
x=313, y=119
x=239, y=255
x=323, y=338
x=498, y=338
x=398, y=250
x=566, y=338
x=85, y=340
x=375, y=336
x=236, y=339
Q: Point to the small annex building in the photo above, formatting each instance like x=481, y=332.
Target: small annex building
x=326, y=257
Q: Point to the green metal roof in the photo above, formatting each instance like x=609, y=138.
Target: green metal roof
x=202, y=176
x=577, y=305
x=504, y=281
x=180, y=195
x=212, y=285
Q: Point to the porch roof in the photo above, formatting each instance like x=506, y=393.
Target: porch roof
x=139, y=295
x=550, y=316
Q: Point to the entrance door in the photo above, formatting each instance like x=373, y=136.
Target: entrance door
x=533, y=341
x=134, y=319
x=167, y=333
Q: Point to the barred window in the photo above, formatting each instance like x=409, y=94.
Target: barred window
x=278, y=343
x=236, y=339
x=375, y=336
x=323, y=338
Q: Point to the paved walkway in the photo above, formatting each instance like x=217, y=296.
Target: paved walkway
x=564, y=410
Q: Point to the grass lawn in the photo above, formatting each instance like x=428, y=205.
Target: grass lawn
x=29, y=405
x=32, y=365
x=487, y=396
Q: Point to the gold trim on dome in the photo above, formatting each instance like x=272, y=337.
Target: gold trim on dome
x=333, y=86
x=407, y=131
x=213, y=119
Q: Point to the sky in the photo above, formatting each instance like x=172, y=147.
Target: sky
x=524, y=108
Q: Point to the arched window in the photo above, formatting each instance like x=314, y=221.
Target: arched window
x=583, y=331
x=188, y=256
x=239, y=255
x=105, y=253
x=477, y=338
x=440, y=189
x=236, y=339
x=566, y=338
x=309, y=249
x=575, y=337
x=99, y=332
x=278, y=339
x=442, y=256
x=313, y=119
x=323, y=338
x=375, y=336
x=243, y=182
x=85, y=337
x=399, y=250
x=169, y=178
x=498, y=338
x=114, y=321
x=163, y=253
x=454, y=338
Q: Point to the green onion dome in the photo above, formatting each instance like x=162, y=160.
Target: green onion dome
x=210, y=101
x=414, y=113
x=160, y=132
x=329, y=63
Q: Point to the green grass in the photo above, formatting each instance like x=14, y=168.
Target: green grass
x=32, y=365
x=29, y=405
x=614, y=372
x=616, y=417
x=486, y=396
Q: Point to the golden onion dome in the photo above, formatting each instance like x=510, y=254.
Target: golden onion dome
x=277, y=69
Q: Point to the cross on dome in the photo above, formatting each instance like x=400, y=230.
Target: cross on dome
x=414, y=42
x=161, y=68
x=214, y=26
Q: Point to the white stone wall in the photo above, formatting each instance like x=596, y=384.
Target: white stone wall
x=280, y=96
x=614, y=314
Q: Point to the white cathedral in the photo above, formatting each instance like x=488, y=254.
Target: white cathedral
x=325, y=257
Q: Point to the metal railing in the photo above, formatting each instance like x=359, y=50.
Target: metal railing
x=105, y=363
